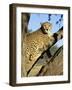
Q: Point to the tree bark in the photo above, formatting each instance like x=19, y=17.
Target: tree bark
x=54, y=66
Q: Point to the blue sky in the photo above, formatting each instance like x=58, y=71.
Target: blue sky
x=55, y=19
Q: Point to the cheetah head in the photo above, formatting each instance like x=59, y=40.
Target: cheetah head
x=45, y=27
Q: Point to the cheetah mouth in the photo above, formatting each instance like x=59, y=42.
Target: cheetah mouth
x=46, y=31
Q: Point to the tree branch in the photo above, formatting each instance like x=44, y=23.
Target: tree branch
x=53, y=64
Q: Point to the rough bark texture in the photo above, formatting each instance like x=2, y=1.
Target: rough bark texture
x=54, y=66
x=24, y=20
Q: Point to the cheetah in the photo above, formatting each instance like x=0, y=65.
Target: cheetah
x=34, y=44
